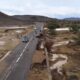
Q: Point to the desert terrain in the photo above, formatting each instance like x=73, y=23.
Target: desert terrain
x=62, y=55
x=10, y=38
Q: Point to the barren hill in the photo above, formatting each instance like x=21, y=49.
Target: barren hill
x=6, y=20
x=33, y=18
x=72, y=19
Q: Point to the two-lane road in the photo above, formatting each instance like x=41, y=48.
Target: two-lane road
x=16, y=65
x=22, y=64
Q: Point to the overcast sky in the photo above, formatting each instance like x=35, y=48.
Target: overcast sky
x=51, y=8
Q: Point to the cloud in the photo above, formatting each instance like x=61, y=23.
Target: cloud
x=51, y=8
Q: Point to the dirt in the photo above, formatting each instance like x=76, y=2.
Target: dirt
x=38, y=70
x=9, y=39
x=71, y=68
x=72, y=51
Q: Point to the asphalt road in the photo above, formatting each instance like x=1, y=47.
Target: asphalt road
x=17, y=64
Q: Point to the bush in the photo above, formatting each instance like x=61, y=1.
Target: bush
x=74, y=28
x=53, y=25
x=52, y=32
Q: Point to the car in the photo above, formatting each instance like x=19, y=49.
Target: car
x=24, y=39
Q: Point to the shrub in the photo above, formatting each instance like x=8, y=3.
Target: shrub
x=53, y=25
x=74, y=28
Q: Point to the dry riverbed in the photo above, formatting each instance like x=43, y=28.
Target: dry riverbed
x=63, y=68
x=64, y=60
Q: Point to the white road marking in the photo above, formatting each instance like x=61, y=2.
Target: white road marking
x=18, y=59
x=9, y=70
x=5, y=56
x=23, y=50
x=14, y=64
x=7, y=74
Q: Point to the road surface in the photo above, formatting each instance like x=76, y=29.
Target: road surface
x=17, y=64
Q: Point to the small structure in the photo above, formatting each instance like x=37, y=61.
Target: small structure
x=62, y=29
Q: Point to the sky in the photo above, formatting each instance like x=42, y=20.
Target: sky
x=51, y=8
